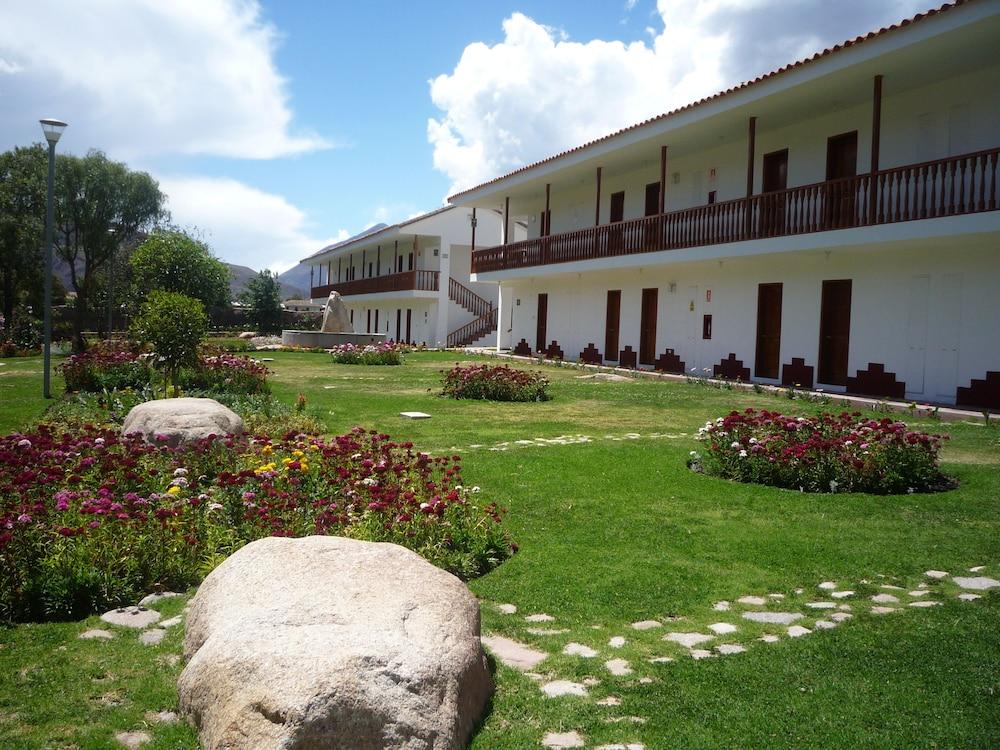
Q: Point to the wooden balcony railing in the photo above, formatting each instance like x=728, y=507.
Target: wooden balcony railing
x=946, y=187
x=425, y=281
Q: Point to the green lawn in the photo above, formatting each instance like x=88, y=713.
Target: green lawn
x=611, y=531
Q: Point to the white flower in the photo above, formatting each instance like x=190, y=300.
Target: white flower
x=24, y=443
x=98, y=441
x=369, y=481
x=215, y=506
x=833, y=485
x=753, y=441
x=179, y=482
x=475, y=489
x=848, y=442
x=735, y=444
x=180, y=472
x=424, y=506
x=743, y=454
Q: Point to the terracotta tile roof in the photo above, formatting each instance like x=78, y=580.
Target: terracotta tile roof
x=739, y=87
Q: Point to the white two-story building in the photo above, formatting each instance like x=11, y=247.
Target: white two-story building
x=411, y=281
x=832, y=224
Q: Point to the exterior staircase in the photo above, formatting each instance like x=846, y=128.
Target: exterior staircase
x=485, y=322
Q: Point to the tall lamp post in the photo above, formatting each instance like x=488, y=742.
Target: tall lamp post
x=52, y=130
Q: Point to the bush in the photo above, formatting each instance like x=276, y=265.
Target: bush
x=226, y=373
x=370, y=354
x=106, y=367
x=174, y=325
x=90, y=519
x=495, y=383
x=828, y=453
x=21, y=335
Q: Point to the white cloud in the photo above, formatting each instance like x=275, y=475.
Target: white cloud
x=145, y=77
x=536, y=93
x=241, y=224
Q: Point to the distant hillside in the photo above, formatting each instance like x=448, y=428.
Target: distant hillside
x=239, y=276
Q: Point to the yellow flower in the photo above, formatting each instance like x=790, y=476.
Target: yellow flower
x=173, y=490
x=286, y=461
x=297, y=453
x=314, y=447
x=305, y=465
x=267, y=450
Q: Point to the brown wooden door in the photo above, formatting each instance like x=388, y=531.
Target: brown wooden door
x=651, y=232
x=542, y=323
x=617, y=214
x=841, y=163
x=834, y=332
x=773, y=206
x=399, y=322
x=612, y=322
x=766, y=362
x=647, y=328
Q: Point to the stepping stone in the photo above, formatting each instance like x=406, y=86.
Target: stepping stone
x=559, y=688
x=979, y=583
x=841, y=616
x=828, y=586
x=936, y=574
x=161, y=717
x=722, y=628
x=646, y=680
x=824, y=625
x=969, y=597
x=891, y=587
x=885, y=599
x=99, y=634
x=773, y=618
x=821, y=605
x=131, y=617
x=154, y=598
x=688, y=639
x=133, y=740
x=700, y=653
x=176, y=620
x=844, y=607
x=561, y=740
x=977, y=569
x=619, y=745
x=768, y=638
x=841, y=594
x=541, y=617
x=752, y=600
x=507, y=609
x=513, y=654
x=591, y=681
x=797, y=631
x=920, y=592
x=152, y=636
x=666, y=659
x=646, y=624
x=721, y=606
x=883, y=610
x=414, y=415
x=618, y=667
x=547, y=631
x=620, y=719
x=726, y=649
x=609, y=701
x=799, y=591
x=578, y=649
x=925, y=603
x=775, y=596
x=617, y=641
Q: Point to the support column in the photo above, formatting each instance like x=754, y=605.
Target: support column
x=597, y=204
x=873, y=193
x=546, y=229
x=378, y=261
x=395, y=257
x=751, y=147
x=340, y=262
x=500, y=311
x=663, y=179
x=474, y=222
x=506, y=220
x=364, y=262
x=441, y=328
x=311, y=283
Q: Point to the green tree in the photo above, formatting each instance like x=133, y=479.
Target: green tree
x=263, y=297
x=22, y=225
x=173, y=261
x=101, y=205
x=175, y=325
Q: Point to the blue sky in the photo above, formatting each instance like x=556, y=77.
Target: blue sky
x=278, y=126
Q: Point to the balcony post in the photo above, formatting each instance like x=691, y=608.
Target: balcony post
x=663, y=179
x=545, y=229
x=597, y=203
x=751, y=142
x=329, y=265
x=350, y=267
x=339, y=264
x=364, y=262
x=395, y=257
x=473, y=222
x=876, y=141
x=506, y=220
x=378, y=261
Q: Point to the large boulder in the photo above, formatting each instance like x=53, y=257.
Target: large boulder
x=178, y=421
x=326, y=642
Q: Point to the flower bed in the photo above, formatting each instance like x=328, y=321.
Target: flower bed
x=495, y=383
x=386, y=353
x=89, y=519
x=828, y=453
x=226, y=373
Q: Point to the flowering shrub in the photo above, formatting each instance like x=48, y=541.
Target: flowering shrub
x=106, y=367
x=227, y=373
x=385, y=353
x=828, y=453
x=495, y=383
x=21, y=336
x=90, y=519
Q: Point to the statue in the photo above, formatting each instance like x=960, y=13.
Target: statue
x=336, y=318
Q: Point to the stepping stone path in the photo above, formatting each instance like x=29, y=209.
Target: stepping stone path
x=752, y=600
x=507, y=609
x=558, y=688
x=667, y=659
x=727, y=649
x=561, y=740
x=97, y=634
x=690, y=640
x=541, y=617
x=797, y=631
x=157, y=597
x=936, y=574
x=722, y=628
x=133, y=740
x=176, y=620
x=828, y=585
x=617, y=642
x=773, y=618
x=512, y=653
x=152, y=636
x=979, y=583
x=547, y=631
x=131, y=617
x=841, y=594
x=578, y=649
x=721, y=606
x=609, y=701
x=885, y=599
x=618, y=667
x=824, y=625
x=620, y=746
x=161, y=717
x=646, y=625
x=925, y=603
x=821, y=605
x=841, y=616
x=883, y=610
x=769, y=638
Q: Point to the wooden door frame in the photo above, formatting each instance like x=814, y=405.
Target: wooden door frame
x=611, y=345
x=820, y=358
x=542, y=322
x=757, y=369
x=647, y=345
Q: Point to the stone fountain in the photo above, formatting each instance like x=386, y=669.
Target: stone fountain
x=336, y=329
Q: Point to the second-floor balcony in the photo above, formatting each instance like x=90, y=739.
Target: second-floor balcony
x=947, y=187
x=406, y=281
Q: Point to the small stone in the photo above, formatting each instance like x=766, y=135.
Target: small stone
x=591, y=681
x=158, y=596
x=507, y=609
x=617, y=641
x=752, y=600
x=797, y=631
x=541, y=617
x=578, y=649
x=936, y=574
x=776, y=596
x=558, y=688
x=131, y=617
x=667, y=659
x=821, y=605
x=844, y=607
x=925, y=603
x=414, y=415
x=722, y=628
x=727, y=649
x=646, y=624
x=700, y=653
x=769, y=638
x=824, y=625
x=721, y=606
x=560, y=740
x=828, y=585
x=152, y=636
x=646, y=680
x=97, y=633
x=618, y=667
x=688, y=639
x=799, y=591
x=547, y=631
x=969, y=597
x=169, y=623
x=841, y=616
x=513, y=654
x=919, y=592
x=609, y=701
x=890, y=587
x=619, y=745
x=773, y=618
x=841, y=594
x=133, y=740
x=885, y=599
x=977, y=569
x=883, y=610
x=161, y=717
x=979, y=583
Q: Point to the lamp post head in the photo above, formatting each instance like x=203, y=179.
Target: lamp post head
x=52, y=129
